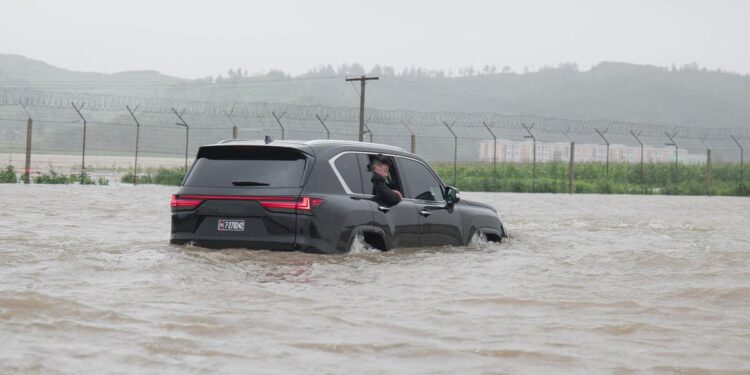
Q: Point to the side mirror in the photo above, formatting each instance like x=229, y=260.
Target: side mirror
x=451, y=195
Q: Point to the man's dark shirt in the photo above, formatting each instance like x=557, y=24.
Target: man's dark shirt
x=382, y=191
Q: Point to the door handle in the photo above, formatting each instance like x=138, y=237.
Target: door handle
x=425, y=212
x=383, y=209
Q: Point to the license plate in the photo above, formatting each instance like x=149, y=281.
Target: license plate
x=231, y=225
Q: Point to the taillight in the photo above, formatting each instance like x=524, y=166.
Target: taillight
x=181, y=202
x=303, y=206
x=278, y=204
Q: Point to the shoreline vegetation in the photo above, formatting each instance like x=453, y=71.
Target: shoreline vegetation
x=589, y=178
x=593, y=178
x=9, y=175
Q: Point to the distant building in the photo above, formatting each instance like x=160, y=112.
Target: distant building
x=522, y=152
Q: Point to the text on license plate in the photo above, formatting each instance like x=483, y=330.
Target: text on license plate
x=231, y=225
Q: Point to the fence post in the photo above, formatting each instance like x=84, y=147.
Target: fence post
x=322, y=122
x=708, y=164
x=709, y=172
x=533, y=150
x=455, y=151
x=601, y=134
x=367, y=128
x=187, y=133
x=676, y=153
x=413, y=136
x=643, y=183
x=742, y=158
x=494, y=152
x=83, y=152
x=27, y=166
x=137, y=140
x=570, y=167
x=229, y=117
x=278, y=121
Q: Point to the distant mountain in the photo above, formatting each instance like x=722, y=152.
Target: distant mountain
x=19, y=68
x=20, y=71
x=688, y=95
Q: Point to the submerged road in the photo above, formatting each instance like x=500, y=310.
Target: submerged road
x=588, y=283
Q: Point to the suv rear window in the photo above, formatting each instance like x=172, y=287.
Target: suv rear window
x=243, y=166
x=348, y=167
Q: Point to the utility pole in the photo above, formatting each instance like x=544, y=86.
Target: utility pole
x=83, y=152
x=362, y=81
x=137, y=136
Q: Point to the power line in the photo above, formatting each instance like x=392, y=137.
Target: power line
x=189, y=83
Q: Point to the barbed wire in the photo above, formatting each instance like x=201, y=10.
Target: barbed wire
x=54, y=100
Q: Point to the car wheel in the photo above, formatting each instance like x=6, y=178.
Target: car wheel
x=478, y=240
x=366, y=242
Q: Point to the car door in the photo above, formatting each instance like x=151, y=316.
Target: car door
x=400, y=222
x=439, y=224
x=351, y=211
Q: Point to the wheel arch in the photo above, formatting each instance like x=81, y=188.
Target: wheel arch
x=492, y=234
x=374, y=237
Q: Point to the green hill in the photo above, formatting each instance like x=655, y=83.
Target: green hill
x=686, y=95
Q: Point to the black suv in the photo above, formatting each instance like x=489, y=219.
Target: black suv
x=316, y=196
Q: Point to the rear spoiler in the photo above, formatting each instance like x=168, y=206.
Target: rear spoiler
x=260, y=150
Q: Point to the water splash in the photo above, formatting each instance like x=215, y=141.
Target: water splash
x=360, y=246
x=479, y=241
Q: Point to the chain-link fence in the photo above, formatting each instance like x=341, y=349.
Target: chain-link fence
x=168, y=133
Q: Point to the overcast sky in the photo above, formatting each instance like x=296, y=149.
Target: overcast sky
x=189, y=38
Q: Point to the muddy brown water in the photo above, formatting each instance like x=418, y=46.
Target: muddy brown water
x=587, y=284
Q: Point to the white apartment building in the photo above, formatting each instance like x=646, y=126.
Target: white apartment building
x=522, y=152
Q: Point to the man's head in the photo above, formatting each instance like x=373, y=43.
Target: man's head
x=379, y=165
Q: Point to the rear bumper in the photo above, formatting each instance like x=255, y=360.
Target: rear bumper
x=223, y=243
x=273, y=245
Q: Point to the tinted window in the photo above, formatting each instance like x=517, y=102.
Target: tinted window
x=420, y=183
x=247, y=166
x=348, y=167
x=364, y=167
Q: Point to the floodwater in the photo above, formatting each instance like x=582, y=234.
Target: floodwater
x=587, y=284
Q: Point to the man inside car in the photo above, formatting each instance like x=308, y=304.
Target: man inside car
x=385, y=192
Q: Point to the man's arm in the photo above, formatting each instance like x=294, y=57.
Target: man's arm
x=383, y=193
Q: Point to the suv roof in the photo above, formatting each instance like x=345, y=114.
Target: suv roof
x=318, y=144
